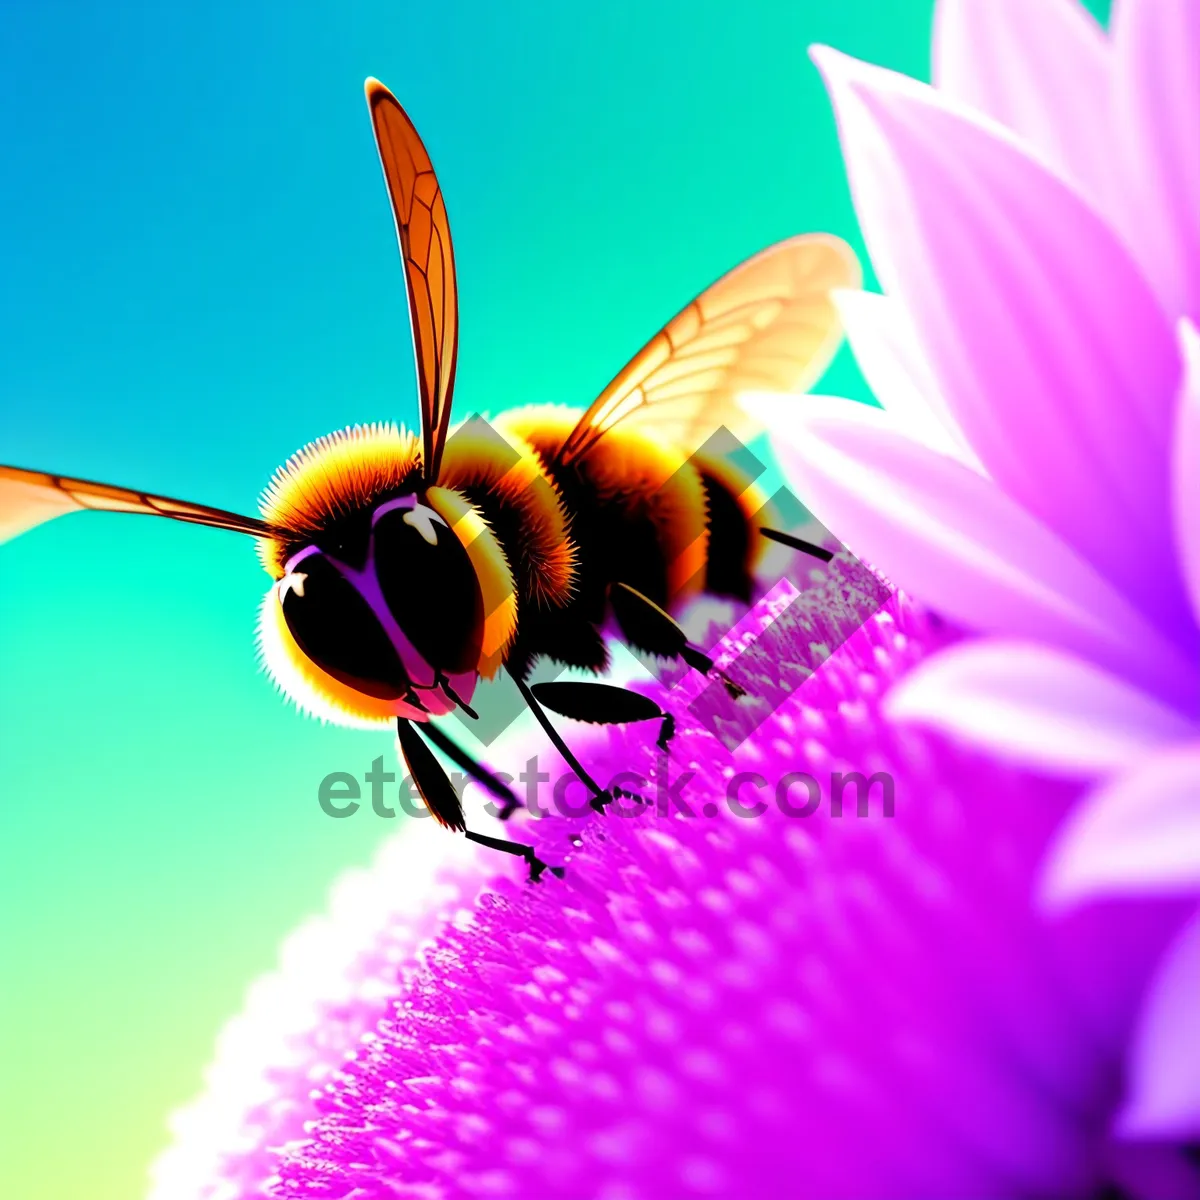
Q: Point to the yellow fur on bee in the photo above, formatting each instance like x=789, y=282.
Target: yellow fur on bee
x=349, y=471
x=645, y=476
x=331, y=477
x=492, y=458
x=491, y=569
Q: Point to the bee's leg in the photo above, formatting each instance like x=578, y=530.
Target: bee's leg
x=603, y=704
x=648, y=626
x=666, y=731
x=599, y=796
x=480, y=774
x=536, y=866
x=432, y=782
x=442, y=800
x=448, y=688
x=787, y=539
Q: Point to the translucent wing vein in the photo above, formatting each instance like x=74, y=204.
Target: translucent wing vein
x=769, y=324
x=428, y=257
x=30, y=498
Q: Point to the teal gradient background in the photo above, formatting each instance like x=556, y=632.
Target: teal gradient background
x=198, y=275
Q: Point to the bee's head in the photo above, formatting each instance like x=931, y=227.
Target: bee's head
x=394, y=609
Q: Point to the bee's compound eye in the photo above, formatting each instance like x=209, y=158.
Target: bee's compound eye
x=430, y=586
x=334, y=626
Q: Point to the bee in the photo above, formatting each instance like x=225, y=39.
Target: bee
x=405, y=568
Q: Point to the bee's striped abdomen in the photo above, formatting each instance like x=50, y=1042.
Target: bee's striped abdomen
x=641, y=513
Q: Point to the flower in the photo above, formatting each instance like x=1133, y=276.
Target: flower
x=848, y=1006
x=1034, y=474
x=338, y=974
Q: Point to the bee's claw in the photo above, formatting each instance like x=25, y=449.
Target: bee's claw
x=537, y=869
x=666, y=731
x=735, y=690
x=602, y=801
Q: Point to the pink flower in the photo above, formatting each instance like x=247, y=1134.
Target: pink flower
x=338, y=975
x=853, y=1006
x=1034, y=220
x=857, y=1006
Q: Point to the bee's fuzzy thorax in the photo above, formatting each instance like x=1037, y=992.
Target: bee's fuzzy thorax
x=332, y=477
x=498, y=468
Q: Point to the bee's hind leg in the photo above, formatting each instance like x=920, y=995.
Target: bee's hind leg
x=789, y=539
x=649, y=627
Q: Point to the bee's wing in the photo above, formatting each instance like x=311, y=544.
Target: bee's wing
x=29, y=498
x=769, y=325
x=424, y=234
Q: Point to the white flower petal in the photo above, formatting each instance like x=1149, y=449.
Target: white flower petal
x=1138, y=834
x=1156, y=86
x=337, y=976
x=1035, y=705
x=1164, y=1099
x=1185, y=468
x=885, y=346
x=1046, y=341
x=951, y=538
x=1040, y=67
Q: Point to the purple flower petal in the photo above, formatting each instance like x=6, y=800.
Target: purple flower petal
x=1046, y=342
x=338, y=975
x=955, y=541
x=1164, y=1100
x=890, y=359
x=1040, y=67
x=1156, y=87
x=1138, y=834
x=1031, y=704
x=1185, y=469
